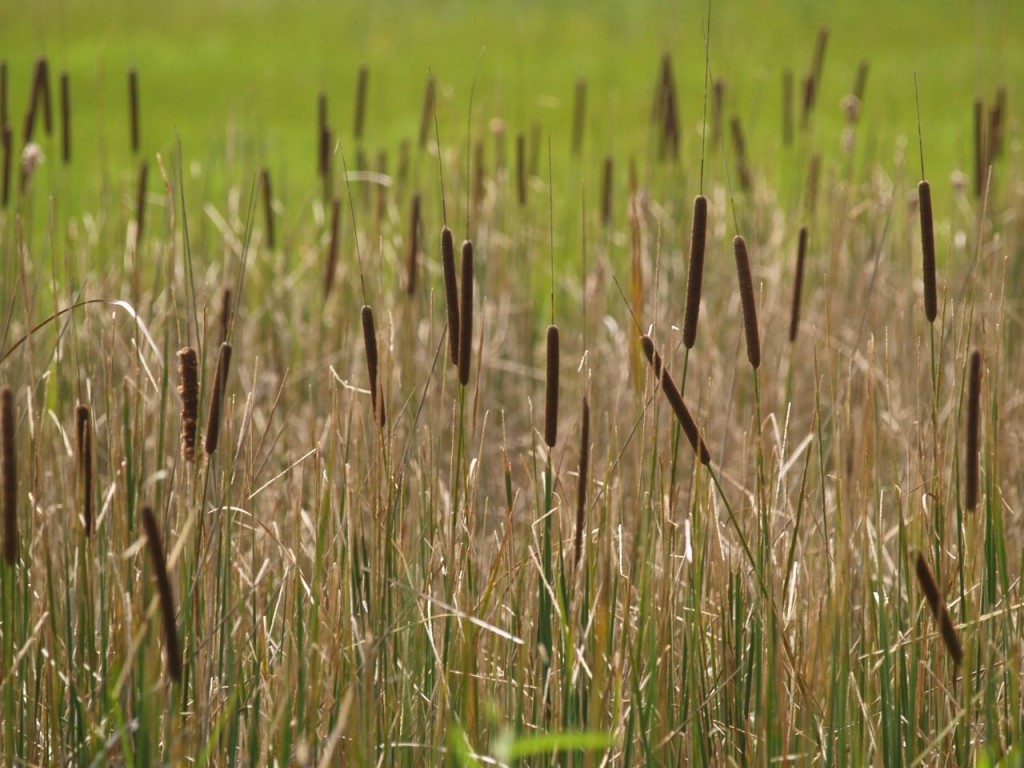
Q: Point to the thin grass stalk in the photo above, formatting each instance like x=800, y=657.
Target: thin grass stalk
x=746, y=289
x=133, y=109
x=551, y=388
x=973, y=443
x=83, y=431
x=675, y=401
x=188, y=390
x=798, y=284
x=695, y=274
x=65, y=118
x=931, y=303
x=172, y=649
x=451, y=292
x=213, y=422
x=9, y=476
x=466, y=314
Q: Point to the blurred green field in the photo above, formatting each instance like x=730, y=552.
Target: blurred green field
x=215, y=72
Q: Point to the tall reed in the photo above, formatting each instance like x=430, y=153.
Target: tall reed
x=798, y=284
x=65, y=118
x=746, y=290
x=675, y=401
x=331, y=264
x=133, y=109
x=695, y=274
x=172, y=649
x=973, y=443
x=268, y=207
x=362, y=81
x=9, y=476
x=140, y=202
x=581, y=481
x=939, y=610
x=466, y=314
x=220, y=383
x=551, y=388
x=370, y=344
x=188, y=390
x=931, y=304
x=451, y=292
x=414, y=244
x=83, y=433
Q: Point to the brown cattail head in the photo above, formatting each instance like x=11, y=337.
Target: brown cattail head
x=996, y=125
x=746, y=286
x=188, y=390
x=140, y=202
x=83, y=432
x=41, y=93
x=9, y=476
x=931, y=304
x=939, y=610
x=427, y=114
x=65, y=118
x=466, y=313
x=225, y=314
x=808, y=103
x=521, y=169
x=370, y=342
x=414, y=244
x=740, y=147
x=606, y=191
x=675, y=400
x=798, y=284
x=972, y=484
x=860, y=84
x=581, y=484
x=360, y=119
x=695, y=276
x=551, y=389
x=268, y=207
x=332, y=249
x=217, y=399
x=163, y=584
x=8, y=148
x=579, y=116
x=818, y=62
x=451, y=292
x=133, y=108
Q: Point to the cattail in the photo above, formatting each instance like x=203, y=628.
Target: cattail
x=675, y=400
x=787, y=107
x=606, y=191
x=43, y=67
x=808, y=103
x=414, y=244
x=578, y=116
x=996, y=125
x=973, y=432
x=979, y=147
x=581, y=483
x=65, y=117
x=85, y=466
x=188, y=390
x=860, y=84
x=813, y=177
x=370, y=342
x=163, y=585
x=427, y=114
x=740, y=147
x=466, y=313
x=332, y=251
x=939, y=610
x=746, y=285
x=931, y=304
x=225, y=314
x=9, y=476
x=133, y=108
x=798, y=284
x=30, y=114
x=521, y=168
x=8, y=147
x=140, y=202
x=217, y=399
x=534, y=149
x=268, y=207
x=451, y=292
x=382, y=190
x=695, y=276
x=479, y=175
x=551, y=389
x=818, y=62
x=323, y=135
x=3, y=92
x=361, y=82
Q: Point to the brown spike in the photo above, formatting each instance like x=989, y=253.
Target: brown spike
x=188, y=390
x=695, y=276
x=414, y=244
x=931, y=303
x=163, y=584
x=65, y=118
x=451, y=292
x=798, y=284
x=360, y=119
x=551, y=388
x=217, y=399
x=939, y=610
x=466, y=314
x=746, y=287
x=675, y=400
x=606, y=191
x=133, y=108
x=140, y=202
x=268, y=207
x=85, y=465
x=973, y=442
x=332, y=252
x=578, y=116
x=370, y=343
x=426, y=116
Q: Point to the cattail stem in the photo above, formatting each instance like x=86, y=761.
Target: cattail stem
x=65, y=118
x=675, y=400
x=188, y=390
x=939, y=610
x=931, y=304
x=972, y=484
x=370, y=343
x=466, y=314
x=332, y=251
x=451, y=292
x=414, y=244
x=9, y=476
x=581, y=484
x=133, y=108
x=551, y=388
x=217, y=399
x=163, y=584
x=746, y=287
x=268, y=208
x=83, y=432
x=798, y=284
x=695, y=275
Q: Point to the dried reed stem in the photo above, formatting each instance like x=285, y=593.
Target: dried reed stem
x=939, y=610
x=695, y=275
x=188, y=390
x=551, y=388
x=931, y=303
x=451, y=292
x=746, y=286
x=163, y=584
x=798, y=284
x=466, y=314
x=675, y=400
x=83, y=432
x=217, y=399
x=9, y=476
x=972, y=459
